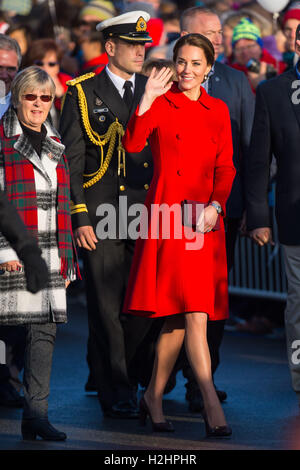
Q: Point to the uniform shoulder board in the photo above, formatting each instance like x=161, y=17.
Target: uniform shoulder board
x=80, y=79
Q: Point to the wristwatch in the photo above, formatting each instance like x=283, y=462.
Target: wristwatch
x=217, y=207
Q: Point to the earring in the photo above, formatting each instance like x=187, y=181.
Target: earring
x=205, y=78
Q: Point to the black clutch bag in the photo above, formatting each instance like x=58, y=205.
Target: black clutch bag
x=191, y=211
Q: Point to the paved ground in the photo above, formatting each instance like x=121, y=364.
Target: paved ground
x=261, y=407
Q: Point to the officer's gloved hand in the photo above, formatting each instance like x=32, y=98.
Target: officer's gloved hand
x=36, y=270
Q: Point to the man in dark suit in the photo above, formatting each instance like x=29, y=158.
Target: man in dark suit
x=233, y=88
x=276, y=130
x=95, y=114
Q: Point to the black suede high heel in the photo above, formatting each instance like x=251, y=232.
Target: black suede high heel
x=216, y=431
x=165, y=426
x=31, y=428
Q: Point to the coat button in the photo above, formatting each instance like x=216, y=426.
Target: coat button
x=179, y=173
x=178, y=136
x=146, y=186
x=146, y=165
x=44, y=207
x=122, y=188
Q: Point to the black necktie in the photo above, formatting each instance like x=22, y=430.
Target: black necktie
x=128, y=95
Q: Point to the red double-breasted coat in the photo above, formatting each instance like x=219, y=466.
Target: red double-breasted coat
x=191, y=144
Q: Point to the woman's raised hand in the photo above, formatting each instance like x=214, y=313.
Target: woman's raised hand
x=158, y=82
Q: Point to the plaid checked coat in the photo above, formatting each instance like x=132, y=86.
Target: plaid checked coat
x=17, y=305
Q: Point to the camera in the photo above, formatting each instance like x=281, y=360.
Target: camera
x=253, y=65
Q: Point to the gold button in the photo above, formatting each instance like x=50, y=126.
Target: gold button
x=146, y=186
x=146, y=165
x=122, y=188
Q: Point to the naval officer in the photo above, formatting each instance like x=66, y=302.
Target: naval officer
x=96, y=111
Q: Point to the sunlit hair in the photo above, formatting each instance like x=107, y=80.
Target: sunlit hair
x=29, y=79
x=9, y=44
x=196, y=40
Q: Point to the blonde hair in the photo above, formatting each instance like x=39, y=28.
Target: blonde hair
x=30, y=79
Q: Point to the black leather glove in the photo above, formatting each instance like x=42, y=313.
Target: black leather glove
x=36, y=270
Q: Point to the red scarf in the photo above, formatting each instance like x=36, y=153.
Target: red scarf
x=20, y=189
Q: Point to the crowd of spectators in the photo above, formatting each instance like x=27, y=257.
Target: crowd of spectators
x=71, y=23
x=249, y=32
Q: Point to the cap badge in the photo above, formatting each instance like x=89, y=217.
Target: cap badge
x=141, y=24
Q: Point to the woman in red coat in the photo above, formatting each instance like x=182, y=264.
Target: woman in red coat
x=177, y=272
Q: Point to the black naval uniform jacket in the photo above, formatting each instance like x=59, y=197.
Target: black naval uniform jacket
x=104, y=105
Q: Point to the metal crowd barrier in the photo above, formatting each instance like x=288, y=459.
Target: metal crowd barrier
x=259, y=271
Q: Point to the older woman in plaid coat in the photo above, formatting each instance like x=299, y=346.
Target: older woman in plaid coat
x=35, y=177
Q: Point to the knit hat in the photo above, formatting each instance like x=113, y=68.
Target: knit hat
x=293, y=13
x=100, y=9
x=245, y=29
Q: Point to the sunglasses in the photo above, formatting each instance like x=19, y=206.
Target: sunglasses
x=40, y=63
x=32, y=97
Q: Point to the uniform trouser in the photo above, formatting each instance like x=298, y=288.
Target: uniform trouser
x=292, y=312
x=215, y=329
x=40, y=339
x=113, y=336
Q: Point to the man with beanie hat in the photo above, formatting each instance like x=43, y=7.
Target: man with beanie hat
x=290, y=21
x=96, y=111
x=246, y=29
x=247, y=46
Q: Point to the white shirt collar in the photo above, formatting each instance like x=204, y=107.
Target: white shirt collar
x=119, y=82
